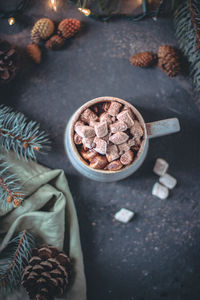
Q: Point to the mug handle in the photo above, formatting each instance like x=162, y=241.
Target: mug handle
x=163, y=127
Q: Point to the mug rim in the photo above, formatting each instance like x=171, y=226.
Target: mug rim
x=88, y=104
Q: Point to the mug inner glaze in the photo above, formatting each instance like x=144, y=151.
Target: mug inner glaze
x=92, y=102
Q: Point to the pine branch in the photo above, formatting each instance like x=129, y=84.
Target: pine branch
x=21, y=135
x=10, y=194
x=193, y=11
x=187, y=26
x=13, y=260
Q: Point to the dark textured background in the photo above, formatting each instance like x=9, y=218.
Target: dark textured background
x=156, y=256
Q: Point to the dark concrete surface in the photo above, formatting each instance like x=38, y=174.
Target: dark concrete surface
x=157, y=255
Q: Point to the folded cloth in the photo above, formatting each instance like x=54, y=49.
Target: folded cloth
x=49, y=213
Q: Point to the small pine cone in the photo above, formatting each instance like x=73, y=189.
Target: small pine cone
x=143, y=59
x=42, y=29
x=55, y=42
x=8, y=62
x=169, y=60
x=47, y=274
x=34, y=52
x=68, y=28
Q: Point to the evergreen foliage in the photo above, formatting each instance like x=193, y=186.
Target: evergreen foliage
x=10, y=194
x=187, y=24
x=13, y=260
x=20, y=135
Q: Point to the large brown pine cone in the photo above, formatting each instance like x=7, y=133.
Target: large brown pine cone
x=169, y=60
x=143, y=59
x=68, y=28
x=47, y=274
x=8, y=62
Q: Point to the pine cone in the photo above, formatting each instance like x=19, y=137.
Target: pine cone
x=8, y=62
x=42, y=29
x=143, y=59
x=47, y=274
x=169, y=60
x=34, y=52
x=68, y=28
x=55, y=42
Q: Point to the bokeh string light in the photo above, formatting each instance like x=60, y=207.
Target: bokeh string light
x=11, y=15
x=107, y=16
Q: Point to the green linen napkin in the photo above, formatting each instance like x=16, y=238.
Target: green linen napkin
x=48, y=211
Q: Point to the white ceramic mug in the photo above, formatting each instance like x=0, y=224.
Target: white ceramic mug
x=151, y=130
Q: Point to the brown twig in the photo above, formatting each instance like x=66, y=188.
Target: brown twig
x=25, y=142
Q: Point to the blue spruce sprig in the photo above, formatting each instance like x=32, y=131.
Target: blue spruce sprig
x=20, y=135
x=10, y=190
x=13, y=259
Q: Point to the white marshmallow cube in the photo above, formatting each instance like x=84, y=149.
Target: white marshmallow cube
x=168, y=181
x=160, y=191
x=124, y=215
x=160, y=167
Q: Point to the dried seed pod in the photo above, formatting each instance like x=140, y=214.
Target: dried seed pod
x=55, y=42
x=143, y=59
x=34, y=52
x=68, y=28
x=42, y=29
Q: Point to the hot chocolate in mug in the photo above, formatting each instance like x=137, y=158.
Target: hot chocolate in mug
x=151, y=130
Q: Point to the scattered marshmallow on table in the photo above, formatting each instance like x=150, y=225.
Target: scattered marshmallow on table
x=160, y=167
x=124, y=215
x=160, y=191
x=168, y=180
